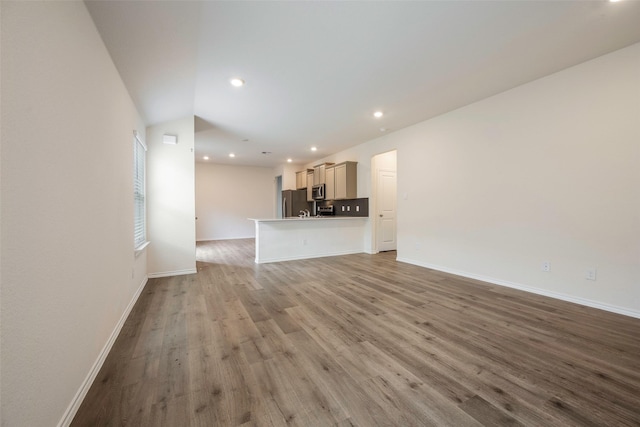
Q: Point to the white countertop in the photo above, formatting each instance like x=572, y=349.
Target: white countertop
x=312, y=218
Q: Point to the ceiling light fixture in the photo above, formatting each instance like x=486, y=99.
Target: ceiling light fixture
x=378, y=114
x=314, y=148
x=231, y=155
x=289, y=160
x=237, y=82
x=205, y=158
x=383, y=129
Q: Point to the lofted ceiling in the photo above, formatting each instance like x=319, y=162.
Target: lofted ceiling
x=315, y=71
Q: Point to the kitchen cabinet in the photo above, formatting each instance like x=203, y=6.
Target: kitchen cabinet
x=310, y=174
x=319, y=173
x=301, y=179
x=345, y=176
x=330, y=183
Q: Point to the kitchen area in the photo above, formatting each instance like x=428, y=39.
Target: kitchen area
x=322, y=216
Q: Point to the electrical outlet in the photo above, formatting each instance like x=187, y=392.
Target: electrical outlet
x=591, y=274
x=348, y=208
x=358, y=208
x=546, y=266
x=342, y=208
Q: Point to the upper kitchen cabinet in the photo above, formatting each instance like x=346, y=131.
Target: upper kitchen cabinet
x=345, y=181
x=301, y=179
x=330, y=183
x=310, y=185
x=319, y=173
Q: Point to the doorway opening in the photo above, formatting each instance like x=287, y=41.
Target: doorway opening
x=279, y=197
x=384, y=184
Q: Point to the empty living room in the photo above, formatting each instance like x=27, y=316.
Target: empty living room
x=269, y=213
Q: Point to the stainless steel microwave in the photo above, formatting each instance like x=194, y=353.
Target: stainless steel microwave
x=317, y=192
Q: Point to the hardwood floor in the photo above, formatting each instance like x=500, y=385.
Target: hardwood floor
x=360, y=340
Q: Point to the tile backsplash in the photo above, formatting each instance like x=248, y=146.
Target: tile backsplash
x=351, y=207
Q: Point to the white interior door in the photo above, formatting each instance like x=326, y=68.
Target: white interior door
x=386, y=211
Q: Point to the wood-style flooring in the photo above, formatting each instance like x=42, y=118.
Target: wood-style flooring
x=360, y=340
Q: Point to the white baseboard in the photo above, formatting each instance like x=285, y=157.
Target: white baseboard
x=93, y=372
x=172, y=273
x=533, y=290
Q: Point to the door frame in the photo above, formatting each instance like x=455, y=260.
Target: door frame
x=374, y=198
x=278, y=203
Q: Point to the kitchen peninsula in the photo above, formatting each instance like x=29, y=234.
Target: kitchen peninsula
x=310, y=237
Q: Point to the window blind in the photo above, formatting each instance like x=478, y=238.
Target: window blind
x=139, y=211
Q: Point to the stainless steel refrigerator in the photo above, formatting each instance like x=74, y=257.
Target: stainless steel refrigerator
x=294, y=201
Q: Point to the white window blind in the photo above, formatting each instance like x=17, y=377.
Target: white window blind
x=139, y=211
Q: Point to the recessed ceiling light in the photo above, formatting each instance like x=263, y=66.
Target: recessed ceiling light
x=614, y=1
x=378, y=114
x=237, y=82
x=206, y=157
x=314, y=148
x=383, y=129
x=289, y=160
x=231, y=155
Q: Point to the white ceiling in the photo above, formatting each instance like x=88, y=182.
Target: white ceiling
x=316, y=71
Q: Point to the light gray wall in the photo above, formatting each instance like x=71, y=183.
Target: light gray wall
x=171, y=199
x=227, y=195
x=68, y=268
x=547, y=171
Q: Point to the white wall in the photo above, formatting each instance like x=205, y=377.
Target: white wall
x=548, y=171
x=68, y=267
x=171, y=199
x=385, y=161
x=227, y=195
